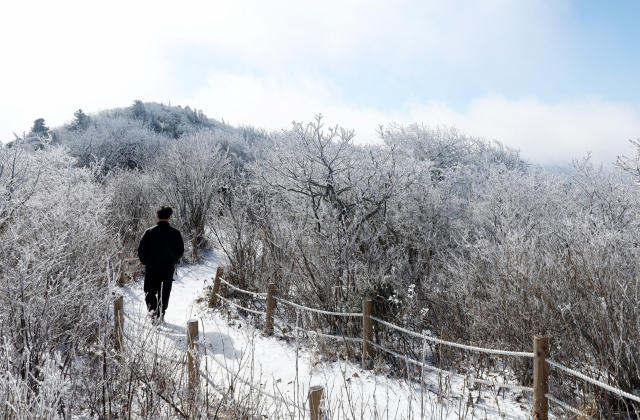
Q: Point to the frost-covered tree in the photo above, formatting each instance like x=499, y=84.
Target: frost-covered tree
x=39, y=127
x=446, y=233
x=56, y=250
x=80, y=121
x=116, y=142
x=190, y=175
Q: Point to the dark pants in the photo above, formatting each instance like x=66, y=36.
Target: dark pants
x=157, y=289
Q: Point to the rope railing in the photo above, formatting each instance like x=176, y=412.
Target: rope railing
x=453, y=374
x=592, y=381
x=251, y=386
x=318, y=311
x=157, y=355
x=235, y=374
x=204, y=376
x=237, y=289
x=253, y=311
x=452, y=344
x=167, y=334
x=319, y=334
x=567, y=406
x=223, y=393
x=542, y=352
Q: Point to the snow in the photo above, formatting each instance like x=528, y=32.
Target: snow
x=272, y=364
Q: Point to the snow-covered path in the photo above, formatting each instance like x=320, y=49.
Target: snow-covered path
x=269, y=364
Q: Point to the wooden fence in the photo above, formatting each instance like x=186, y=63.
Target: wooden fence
x=540, y=354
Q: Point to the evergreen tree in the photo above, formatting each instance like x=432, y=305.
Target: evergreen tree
x=81, y=120
x=39, y=127
x=139, y=110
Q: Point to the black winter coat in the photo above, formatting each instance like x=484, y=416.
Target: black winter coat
x=160, y=249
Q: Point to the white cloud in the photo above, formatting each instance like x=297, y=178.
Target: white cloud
x=546, y=133
x=61, y=56
x=274, y=103
x=69, y=54
x=406, y=36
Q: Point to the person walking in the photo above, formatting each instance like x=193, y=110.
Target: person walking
x=159, y=251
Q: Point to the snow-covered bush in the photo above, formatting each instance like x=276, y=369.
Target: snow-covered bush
x=447, y=147
x=115, y=142
x=133, y=202
x=57, y=251
x=448, y=234
x=190, y=175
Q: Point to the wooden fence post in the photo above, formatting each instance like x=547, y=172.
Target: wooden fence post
x=192, y=338
x=213, y=299
x=367, y=334
x=315, y=395
x=121, y=279
x=540, y=377
x=195, y=247
x=118, y=321
x=271, y=306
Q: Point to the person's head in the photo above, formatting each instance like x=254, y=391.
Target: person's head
x=164, y=213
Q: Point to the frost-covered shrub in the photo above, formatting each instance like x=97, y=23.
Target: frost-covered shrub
x=552, y=254
x=172, y=121
x=57, y=251
x=448, y=234
x=190, y=175
x=447, y=147
x=133, y=204
x=327, y=196
x=114, y=142
x=18, y=398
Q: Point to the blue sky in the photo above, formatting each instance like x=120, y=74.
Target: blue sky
x=554, y=78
